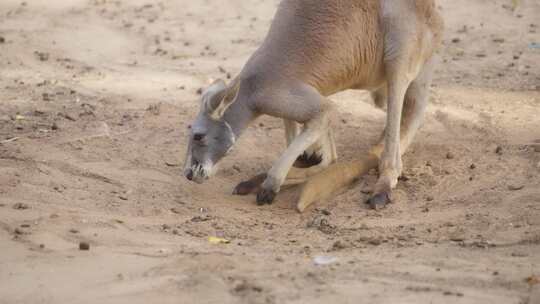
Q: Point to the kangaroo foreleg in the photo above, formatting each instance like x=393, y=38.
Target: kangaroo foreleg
x=297, y=174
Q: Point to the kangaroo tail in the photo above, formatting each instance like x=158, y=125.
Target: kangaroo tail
x=333, y=179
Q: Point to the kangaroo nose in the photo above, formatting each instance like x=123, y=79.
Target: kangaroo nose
x=189, y=174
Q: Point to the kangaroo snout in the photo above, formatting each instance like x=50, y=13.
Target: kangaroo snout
x=198, y=172
x=189, y=174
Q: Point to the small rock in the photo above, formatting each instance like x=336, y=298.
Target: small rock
x=73, y=231
x=122, y=197
x=338, y=245
x=198, y=218
x=84, y=246
x=499, y=150
x=19, y=231
x=54, y=126
x=472, y=166
x=20, y=206
x=41, y=246
x=450, y=155
x=515, y=187
x=457, y=236
x=456, y=40
x=322, y=225
x=325, y=212
x=199, y=91
x=429, y=198
x=2, y=39
x=42, y=56
x=176, y=210
x=375, y=242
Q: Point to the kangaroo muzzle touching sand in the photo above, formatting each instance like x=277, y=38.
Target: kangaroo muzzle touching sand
x=316, y=48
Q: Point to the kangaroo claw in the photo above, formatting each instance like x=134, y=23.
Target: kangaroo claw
x=250, y=186
x=305, y=160
x=379, y=200
x=265, y=196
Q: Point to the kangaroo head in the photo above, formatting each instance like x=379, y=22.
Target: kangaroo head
x=210, y=136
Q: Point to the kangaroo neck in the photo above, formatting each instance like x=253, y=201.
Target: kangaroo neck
x=239, y=115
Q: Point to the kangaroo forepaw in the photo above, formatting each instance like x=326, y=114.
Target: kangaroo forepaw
x=379, y=200
x=245, y=188
x=308, y=160
x=265, y=196
x=250, y=186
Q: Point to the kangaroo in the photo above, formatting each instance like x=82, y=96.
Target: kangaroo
x=316, y=48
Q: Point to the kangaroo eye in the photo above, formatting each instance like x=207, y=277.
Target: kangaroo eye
x=198, y=136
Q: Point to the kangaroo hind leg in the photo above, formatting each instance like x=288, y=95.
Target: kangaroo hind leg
x=399, y=139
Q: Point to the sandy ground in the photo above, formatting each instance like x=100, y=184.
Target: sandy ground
x=95, y=99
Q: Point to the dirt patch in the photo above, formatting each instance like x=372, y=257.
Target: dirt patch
x=96, y=97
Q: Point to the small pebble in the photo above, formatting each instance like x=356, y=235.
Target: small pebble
x=515, y=187
x=375, y=242
x=472, y=166
x=20, y=206
x=84, y=246
x=450, y=155
x=499, y=150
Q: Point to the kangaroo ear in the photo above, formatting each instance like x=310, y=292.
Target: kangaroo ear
x=217, y=98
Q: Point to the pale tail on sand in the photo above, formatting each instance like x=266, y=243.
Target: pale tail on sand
x=333, y=179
